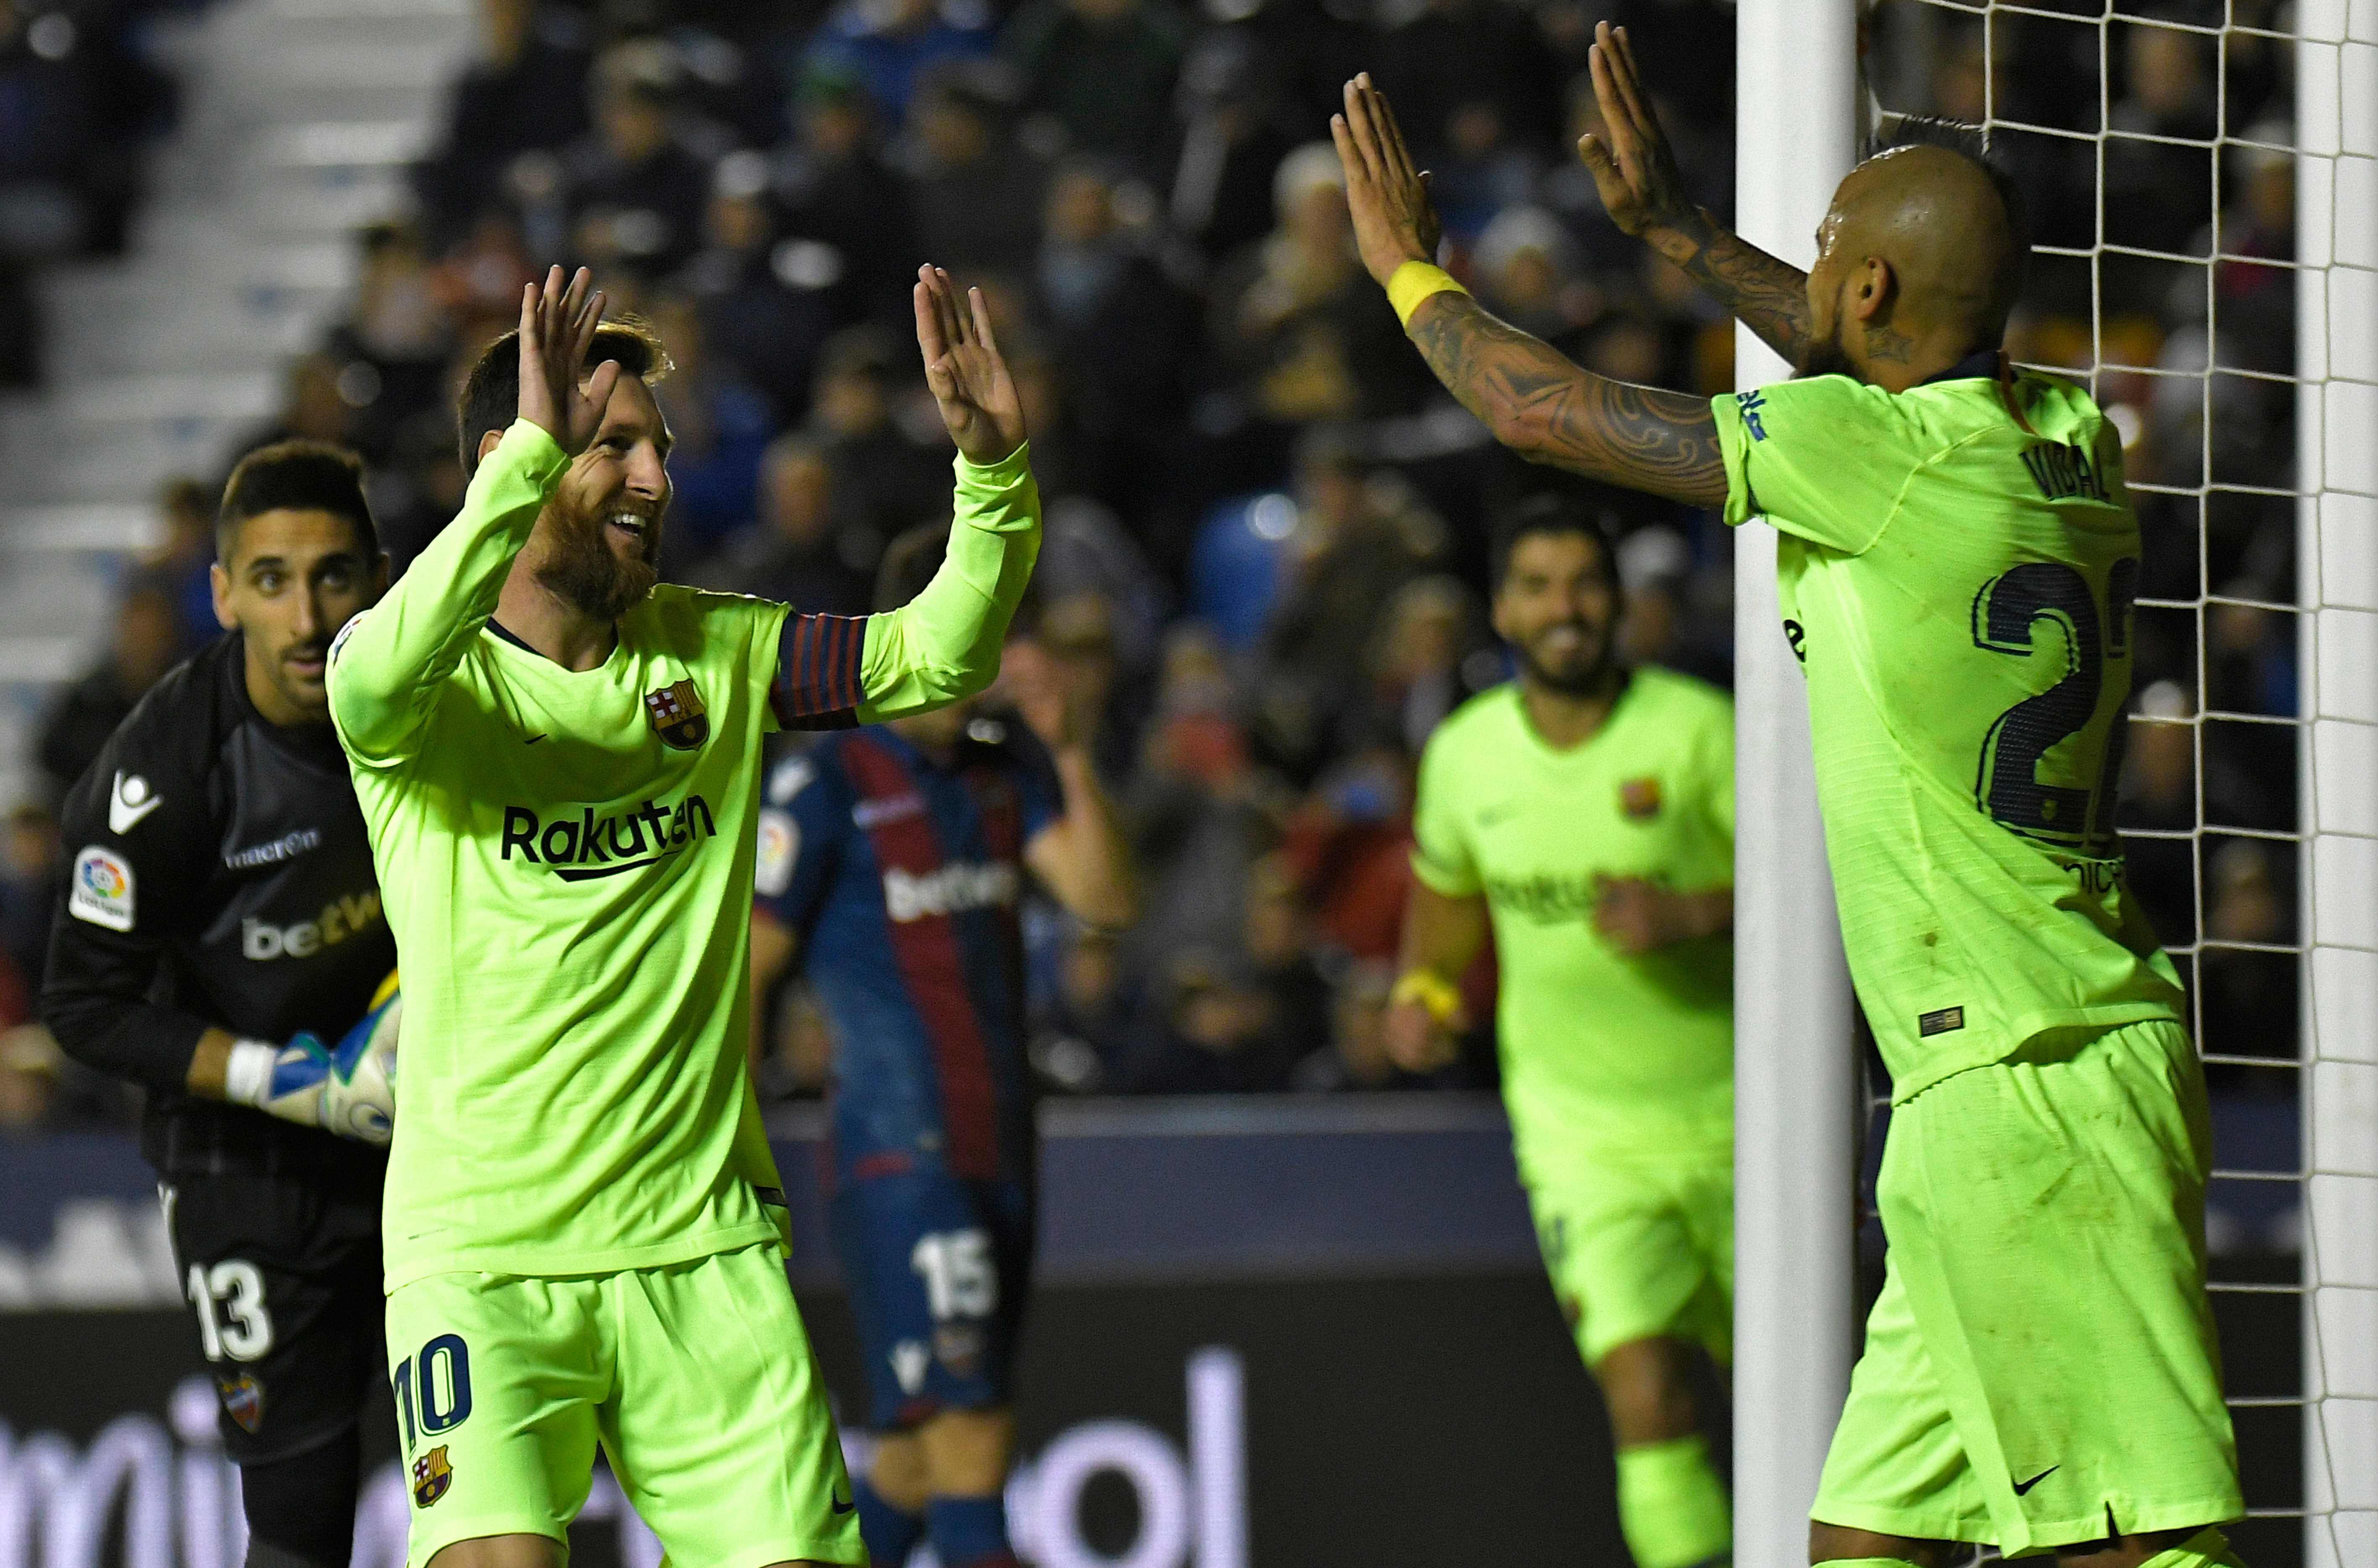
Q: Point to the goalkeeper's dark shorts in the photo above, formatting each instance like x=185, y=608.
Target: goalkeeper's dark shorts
x=282, y=1277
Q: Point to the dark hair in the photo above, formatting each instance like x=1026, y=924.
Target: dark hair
x=910, y=563
x=1973, y=144
x=1551, y=512
x=491, y=393
x=299, y=476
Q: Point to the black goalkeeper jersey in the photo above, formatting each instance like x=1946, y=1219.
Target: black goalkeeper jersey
x=219, y=876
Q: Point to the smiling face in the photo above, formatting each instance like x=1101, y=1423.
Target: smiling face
x=599, y=542
x=292, y=578
x=1557, y=606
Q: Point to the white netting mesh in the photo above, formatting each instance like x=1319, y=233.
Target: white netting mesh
x=2203, y=181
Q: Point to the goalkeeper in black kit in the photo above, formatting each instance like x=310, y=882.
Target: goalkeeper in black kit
x=221, y=945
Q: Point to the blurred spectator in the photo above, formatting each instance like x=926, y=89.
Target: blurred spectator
x=1085, y=1028
x=882, y=481
x=185, y=552
x=1219, y=1033
x=145, y=642
x=764, y=306
x=526, y=92
x=1123, y=328
x=889, y=45
x=632, y=189
x=1294, y=319
x=1235, y=127
x=798, y=551
x=836, y=192
x=976, y=189
x=1103, y=69
x=1469, y=77
x=1348, y=845
x=32, y=870
x=394, y=346
x=30, y=1065
x=721, y=425
x=2246, y=993
x=1361, y=536
x=1525, y=265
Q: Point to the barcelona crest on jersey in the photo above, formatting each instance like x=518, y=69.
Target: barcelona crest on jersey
x=677, y=715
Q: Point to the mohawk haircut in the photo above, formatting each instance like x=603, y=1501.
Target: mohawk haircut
x=297, y=476
x=491, y=393
x=1972, y=143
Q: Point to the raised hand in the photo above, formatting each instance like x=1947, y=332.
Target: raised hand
x=1634, y=170
x=557, y=329
x=968, y=378
x=1394, y=219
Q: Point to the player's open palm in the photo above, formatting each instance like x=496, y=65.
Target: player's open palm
x=557, y=329
x=1387, y=197
x=969, y=380
x=1632, y=165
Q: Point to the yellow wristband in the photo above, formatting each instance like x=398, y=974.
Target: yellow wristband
x=1414, y=281
x=1432, y=990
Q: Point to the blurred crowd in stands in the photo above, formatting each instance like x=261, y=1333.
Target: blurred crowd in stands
x=1267, y=526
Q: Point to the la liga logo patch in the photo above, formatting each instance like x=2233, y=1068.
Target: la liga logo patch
x=101, y=891
x=431, y=1475
x=677, y=715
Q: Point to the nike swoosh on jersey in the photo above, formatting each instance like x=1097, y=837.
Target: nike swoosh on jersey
x=532, y=740
x=128, y=802
x=2022, y=1487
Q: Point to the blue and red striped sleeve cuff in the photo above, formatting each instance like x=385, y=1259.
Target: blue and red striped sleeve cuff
x=819, y=660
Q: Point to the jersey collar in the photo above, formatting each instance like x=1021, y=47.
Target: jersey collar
x=1982, y=364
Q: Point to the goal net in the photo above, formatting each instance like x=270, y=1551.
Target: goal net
x=2204, y=181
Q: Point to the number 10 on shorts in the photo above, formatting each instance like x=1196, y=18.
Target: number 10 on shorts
x=440, y=1377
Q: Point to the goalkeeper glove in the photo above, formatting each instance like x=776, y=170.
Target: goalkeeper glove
x=349, y=1090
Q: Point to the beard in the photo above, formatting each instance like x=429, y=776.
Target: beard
x=1825, y=356
x=1581, y=678
x=584, y=571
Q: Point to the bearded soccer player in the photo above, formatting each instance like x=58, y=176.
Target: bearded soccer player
x=1958, y=561
x=557, y=760
x=1586, y=810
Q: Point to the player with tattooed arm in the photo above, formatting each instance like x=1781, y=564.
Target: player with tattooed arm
x=1957, y=561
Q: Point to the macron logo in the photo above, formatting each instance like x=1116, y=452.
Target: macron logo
x=130, y=800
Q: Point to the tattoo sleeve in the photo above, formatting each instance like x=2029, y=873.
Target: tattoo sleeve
x=1550, y=410
x=1771, y=297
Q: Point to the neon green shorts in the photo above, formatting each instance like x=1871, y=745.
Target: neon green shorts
x=695, y=1377
x=1639, y=1246
x=2041, y=1368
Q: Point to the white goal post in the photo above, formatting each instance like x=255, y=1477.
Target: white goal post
x=1797, y=1081
x=2336, y=455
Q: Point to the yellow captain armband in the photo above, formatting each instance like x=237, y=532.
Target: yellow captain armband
x=1414, y=281
x=1432, y=990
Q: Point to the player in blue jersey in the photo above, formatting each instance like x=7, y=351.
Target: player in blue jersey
x=892, y=863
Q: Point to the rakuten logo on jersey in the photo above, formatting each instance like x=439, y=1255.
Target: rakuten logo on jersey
x=350, y=916
x=584, y=846
x=953, y=889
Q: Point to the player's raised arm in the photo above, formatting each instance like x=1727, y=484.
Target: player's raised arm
x=943, y=644
x=387, y=663
x=1535, y=401
x=1636, y=174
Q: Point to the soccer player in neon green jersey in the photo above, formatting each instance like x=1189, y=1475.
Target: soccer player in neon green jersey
x=1957, y=565
x=558, y=761
x=1587, y=811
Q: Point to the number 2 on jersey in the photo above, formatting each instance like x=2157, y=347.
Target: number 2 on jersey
x=2007, y=782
